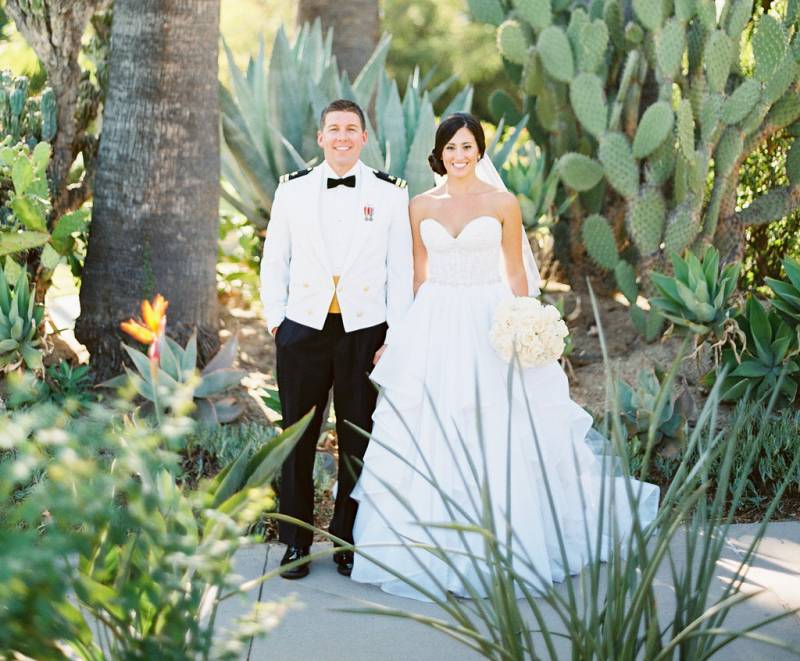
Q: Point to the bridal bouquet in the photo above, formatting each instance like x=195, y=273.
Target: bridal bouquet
x=535, y=331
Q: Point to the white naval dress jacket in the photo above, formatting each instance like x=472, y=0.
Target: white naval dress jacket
x=376, y=279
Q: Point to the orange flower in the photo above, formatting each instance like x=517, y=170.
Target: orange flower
x=151, y=329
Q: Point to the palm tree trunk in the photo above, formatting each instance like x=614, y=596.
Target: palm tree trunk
x=155, y=216
x=356, y=28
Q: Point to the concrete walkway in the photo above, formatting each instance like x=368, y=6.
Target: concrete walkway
x=315, y=628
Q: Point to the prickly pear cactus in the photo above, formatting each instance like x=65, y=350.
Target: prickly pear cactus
x=647, y=109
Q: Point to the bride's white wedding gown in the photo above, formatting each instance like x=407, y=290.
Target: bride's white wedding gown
x=440, y=381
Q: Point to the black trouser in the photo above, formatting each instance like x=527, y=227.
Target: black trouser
x=309, y=362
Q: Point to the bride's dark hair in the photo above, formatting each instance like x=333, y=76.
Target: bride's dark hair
x=446, y=130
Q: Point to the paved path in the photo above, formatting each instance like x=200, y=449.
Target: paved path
x=315, y=630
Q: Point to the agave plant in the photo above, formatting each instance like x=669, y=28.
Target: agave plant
x=698, y=297
x=20, y=319
x=787, y=294
x=769, y=357
x=525, y=175
x=270, y=115
x=177, y=366
x=638, y=406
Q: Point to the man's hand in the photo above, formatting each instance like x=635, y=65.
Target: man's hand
x=274, y=331
x=378, y=355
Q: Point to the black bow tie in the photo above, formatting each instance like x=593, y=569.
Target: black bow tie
x=350, y=182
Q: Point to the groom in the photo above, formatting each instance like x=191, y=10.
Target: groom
x=336, y=272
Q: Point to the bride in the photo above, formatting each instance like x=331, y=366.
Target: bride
x=451, y=419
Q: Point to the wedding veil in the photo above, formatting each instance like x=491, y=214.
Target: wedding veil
x=485, y=171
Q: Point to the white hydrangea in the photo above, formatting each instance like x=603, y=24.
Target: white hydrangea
x=535, y=330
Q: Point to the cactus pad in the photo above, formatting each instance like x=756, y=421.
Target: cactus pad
x=593, y=45
x=684, y=10
x=670, y=44
x=532, y=74
x=556, y=54
x=579, y=172
x=683, y=226
x=710, y=117
x=654, y=127
x=625, y=275
x=661, y=163
x=685, y=128
x=793, y=163
x=728, y=151
x=739, y=104
x=589, y=103
x=649, y=13
x=738, y=17
x=598, y=237
x=512, y=41
x=501, y=104
x=706, y=11
x=769, y=207
x=537, y=13
x=769, y=47
x=785, y=111
x=615, y=22
x=784, y=76
x=646, y=216
x=487, y=11
x=619, y=166
x=718, y=56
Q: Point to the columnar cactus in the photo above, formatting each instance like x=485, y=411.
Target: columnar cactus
x=648, y=109
x=23, y=118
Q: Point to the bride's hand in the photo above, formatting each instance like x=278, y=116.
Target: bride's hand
x=378, y=355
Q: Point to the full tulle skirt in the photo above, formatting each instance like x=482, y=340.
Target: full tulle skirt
x=452, y=412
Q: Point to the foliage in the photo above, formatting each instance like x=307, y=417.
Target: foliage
x=269, y=115
x=24, y=117
x=26, y=219
x=641, y=107
x=178, y=367
x=697, y=299
x=210, y=447
x=766, y=245
x=620, y=612
x=20, y=321
x=767, y=362
x=639, y=406
x=240, y=248
x=787, y=294
x=69, y=386
x=773, y=441
x=107, y=555
x=425, y=34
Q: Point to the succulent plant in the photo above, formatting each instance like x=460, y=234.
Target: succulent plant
x=20, y=320
x=178, y=365
x=697, y=299
x=769, y=354
x=646, y=113
x=638, y=405
x=525, y=175
x=787, y=294
x=269, y=118
x=24, y=118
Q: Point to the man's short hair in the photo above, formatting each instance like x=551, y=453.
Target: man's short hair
x=343, y=105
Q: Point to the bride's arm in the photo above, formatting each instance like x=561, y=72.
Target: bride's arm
x=416, y=214
x=512, y=244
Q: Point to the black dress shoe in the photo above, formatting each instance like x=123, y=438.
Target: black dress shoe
x=295, y=553
x=344, y=562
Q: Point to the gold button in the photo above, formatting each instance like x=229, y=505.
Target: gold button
x=305, y=284
x=366, y=288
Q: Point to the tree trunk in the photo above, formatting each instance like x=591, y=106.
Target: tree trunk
x=155, y=217
x=356, y=28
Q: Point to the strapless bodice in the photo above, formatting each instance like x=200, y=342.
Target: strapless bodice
x=471, y=258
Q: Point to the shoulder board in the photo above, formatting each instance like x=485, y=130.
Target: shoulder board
x=293, y=175
x=397, y=181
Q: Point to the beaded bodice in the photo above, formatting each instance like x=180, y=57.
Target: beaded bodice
x=471, y=258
